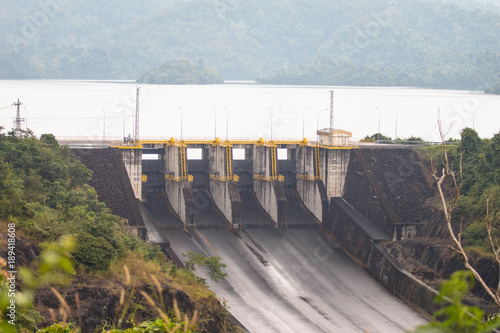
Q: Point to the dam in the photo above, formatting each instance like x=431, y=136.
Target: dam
x=299, y=225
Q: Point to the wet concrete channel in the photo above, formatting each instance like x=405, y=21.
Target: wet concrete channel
x=292, y=279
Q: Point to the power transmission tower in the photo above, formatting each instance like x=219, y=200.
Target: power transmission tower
x=136, y=138
x=18, y=120
x=331, y=118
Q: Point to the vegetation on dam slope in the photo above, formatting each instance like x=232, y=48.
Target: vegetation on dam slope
x=43, y=192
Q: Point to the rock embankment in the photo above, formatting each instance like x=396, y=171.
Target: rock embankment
x=409, y=188
x=106, y=181
x=432, y=261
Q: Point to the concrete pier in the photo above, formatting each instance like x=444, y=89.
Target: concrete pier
x=132, y=158
x=290, y=183
x=311, y=189
x=335, y=162
x=269, y=192
x=178, y=191
x=222, y=187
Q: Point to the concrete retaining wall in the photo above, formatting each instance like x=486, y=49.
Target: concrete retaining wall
x=132, y=159
x=361, y=239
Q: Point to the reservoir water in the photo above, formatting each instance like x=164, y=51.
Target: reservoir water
x=98, y=108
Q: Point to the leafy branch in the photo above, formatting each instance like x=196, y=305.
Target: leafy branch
x=213, y=264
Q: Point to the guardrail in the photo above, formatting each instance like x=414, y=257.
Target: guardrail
x=114, y=140
x=401, y=142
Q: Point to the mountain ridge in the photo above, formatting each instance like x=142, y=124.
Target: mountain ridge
x=88, y=40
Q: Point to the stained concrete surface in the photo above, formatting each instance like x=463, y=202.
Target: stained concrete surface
x=155, y=235
x=206, y=213
x=295, y=280
x=158, y=206
x=252, y=214
x=297, y=214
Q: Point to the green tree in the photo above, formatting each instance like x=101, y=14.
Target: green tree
x=454, y=316
x=376, y=137
x=11, y=192
x=213, y=264
x=94, y=252
x=470, y=144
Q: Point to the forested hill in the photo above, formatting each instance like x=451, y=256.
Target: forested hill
x=248, y=39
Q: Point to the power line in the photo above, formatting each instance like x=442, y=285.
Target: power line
x=71, y=119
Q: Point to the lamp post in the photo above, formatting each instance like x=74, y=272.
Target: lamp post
x=182, y=118
x=227, y=123
x=124, y=118
x=304, y=121
x=272, y=116
x=396, y=135
x=104, y=129
x=215, y=122
x=473, y=118
x=379, y=115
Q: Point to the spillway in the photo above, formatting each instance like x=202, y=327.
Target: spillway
x=295, y=280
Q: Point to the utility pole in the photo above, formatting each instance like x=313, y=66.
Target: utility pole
x=18, y=120
x=136, y=138
x=331, y=118
x=272, y=115
x=215, y=122
x=379, y=115
x=396, y=135
x=104, y=129
x=227, y=124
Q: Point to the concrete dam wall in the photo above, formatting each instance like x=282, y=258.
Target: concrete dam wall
x=283, y=239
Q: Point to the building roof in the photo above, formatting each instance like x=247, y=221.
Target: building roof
x=326, y=131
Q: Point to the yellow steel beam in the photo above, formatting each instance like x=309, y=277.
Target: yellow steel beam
x=235, y=178
x=217, y=141
x=190, y=178
x=279, y=178
x=306, y=177
x=128, y=147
